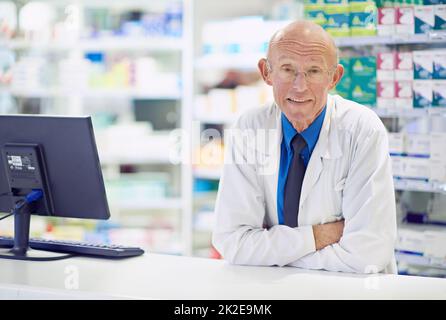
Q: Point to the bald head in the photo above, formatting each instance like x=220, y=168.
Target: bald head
x=305, y=38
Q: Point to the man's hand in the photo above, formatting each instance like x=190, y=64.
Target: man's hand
x=327, y=234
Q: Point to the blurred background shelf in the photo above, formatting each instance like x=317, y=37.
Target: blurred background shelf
x=99, y=44
x=92, y=93
x=431, y=37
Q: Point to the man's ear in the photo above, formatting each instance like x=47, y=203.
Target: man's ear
x=337, y=75
x=264, y=71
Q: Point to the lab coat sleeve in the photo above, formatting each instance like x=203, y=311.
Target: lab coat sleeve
x=239, y=232
x=368, y=206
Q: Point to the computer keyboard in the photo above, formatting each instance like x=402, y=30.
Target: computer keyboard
x=77, y=248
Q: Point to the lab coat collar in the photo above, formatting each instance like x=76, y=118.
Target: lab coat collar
x=327, y=146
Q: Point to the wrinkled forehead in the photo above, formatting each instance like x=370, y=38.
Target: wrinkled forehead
x=297, y=59
x=316, y=51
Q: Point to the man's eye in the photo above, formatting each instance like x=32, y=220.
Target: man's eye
x=287, y=69
x=314, y=71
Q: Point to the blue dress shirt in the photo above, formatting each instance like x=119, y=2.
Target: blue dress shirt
x=310, y=135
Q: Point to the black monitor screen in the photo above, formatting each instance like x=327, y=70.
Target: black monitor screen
x=73, y=169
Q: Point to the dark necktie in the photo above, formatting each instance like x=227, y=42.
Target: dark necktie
x=293, y=184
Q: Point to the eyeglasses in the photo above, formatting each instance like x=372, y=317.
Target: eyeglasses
x=313, y=75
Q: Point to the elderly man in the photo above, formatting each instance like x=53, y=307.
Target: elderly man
x=328, y=203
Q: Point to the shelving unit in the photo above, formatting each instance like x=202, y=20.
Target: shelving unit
x=82, y=99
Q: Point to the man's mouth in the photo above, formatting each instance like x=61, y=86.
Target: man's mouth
x=298, y=101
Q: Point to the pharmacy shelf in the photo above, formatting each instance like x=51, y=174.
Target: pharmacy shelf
x=99, y=44
x=216, y=120
x=163, y=203
x=433, y=37
x=418, y=259
x=248, y=61
x=237, y=61
x=205, y=173
x=410, y=113
x=92, y=93
x=155, y=159
x=419, y=185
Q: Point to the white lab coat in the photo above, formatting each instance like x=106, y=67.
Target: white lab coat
x=348, y=176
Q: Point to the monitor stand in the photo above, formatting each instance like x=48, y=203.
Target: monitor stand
x=21, y=250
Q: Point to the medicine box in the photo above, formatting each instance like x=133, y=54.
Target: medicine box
x=403, y=66
x=440, y=17
x=439, y=61
x=385, y=94
x=423, y=64
x=386, y=21
x=437, y=145
x=397, y=143
x=337, y=20
x=439, y=94
x=417, y=144
x=385, y=66
x=405, y=20
x=403, y=95
x=422, y=93
x=363, y=18
x=424, y=19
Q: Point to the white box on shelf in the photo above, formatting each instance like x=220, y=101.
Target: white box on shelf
x=74, y=74
x=403, y=95
x=385, y=64
x=410, y=240
x=386, y=21
x=397, y=142
x=222, y=102
x=247, y=97
x=438, y=171
x=424, y=18
x=418, y=144
x=397, y=166
x=202, y=107
x=404, y=66
x=416, y=168
x=405, y=21
x=385, y=94
x=437, y=145
x=435, y=244
x=423, y=64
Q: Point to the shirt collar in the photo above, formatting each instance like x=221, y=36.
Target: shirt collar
x=310, y=134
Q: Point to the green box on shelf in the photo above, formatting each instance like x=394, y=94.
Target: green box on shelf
x=385, y=3
x=337, y=20
x=431, y=2
x=405, y=3
x=363, y=17
x=315, y=13
x=336, y=2
x=363, y=90
x=363, y=66
x=313, y=2
x=343, y=88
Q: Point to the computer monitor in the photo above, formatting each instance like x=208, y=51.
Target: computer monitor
x=53, y=159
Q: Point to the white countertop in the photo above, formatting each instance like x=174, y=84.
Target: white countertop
x=155, y=276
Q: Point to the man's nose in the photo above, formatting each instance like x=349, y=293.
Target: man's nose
x=300, y=81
